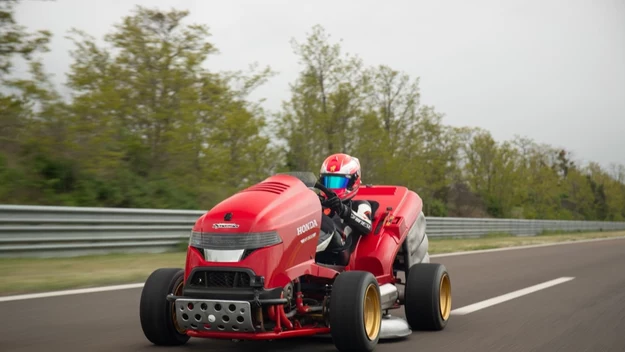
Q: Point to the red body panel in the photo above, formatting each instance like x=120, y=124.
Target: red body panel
x=283, y=203
x=376, y=252
x=280, y=203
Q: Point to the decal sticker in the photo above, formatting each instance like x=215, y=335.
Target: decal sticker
x=306, y=227
x=360, y=221
x=308, y=238
x=225, y=226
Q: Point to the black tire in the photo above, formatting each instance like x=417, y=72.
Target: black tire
x=351, y=291
x=423, y=298
x=156, y=313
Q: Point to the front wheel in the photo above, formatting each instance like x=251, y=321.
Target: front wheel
x=158, y=316
x=355, y=311
x=428, y=296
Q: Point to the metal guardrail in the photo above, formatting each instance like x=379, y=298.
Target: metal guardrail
x=64, y=231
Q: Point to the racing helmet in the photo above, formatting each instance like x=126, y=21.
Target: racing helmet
x=340, y=173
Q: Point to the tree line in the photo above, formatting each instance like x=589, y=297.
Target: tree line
x=148, y=125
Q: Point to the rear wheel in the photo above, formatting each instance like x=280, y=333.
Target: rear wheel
x=428, y=296
x=158, y=316
x=355, y=311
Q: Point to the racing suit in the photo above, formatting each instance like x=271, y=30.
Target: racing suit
x=356, y=213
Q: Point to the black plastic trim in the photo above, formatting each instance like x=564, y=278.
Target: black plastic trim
x=234, y=294
x=267, y=301
x=380, y=223
x=250, y=293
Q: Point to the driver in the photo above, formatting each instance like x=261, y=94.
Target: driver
x=340, y=173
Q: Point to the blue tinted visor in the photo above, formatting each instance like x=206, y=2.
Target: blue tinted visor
x=334, y=181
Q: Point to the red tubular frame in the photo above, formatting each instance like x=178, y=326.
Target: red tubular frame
x=283, y=319
x=276, y=313
x=299, y=303
x=304, y=331
x=272, y=312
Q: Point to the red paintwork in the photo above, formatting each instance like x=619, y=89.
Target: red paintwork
x=257, y=211
x=376, y=253
x=283, y=203
x=304, y=331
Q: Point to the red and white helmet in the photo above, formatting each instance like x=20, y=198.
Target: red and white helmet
x=341, y=174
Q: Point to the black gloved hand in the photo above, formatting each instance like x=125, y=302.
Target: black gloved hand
x=335, y=204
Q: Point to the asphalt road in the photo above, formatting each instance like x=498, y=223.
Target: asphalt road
x=586, y=313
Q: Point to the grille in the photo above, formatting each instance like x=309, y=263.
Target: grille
x=224, y=279
x=272, y=187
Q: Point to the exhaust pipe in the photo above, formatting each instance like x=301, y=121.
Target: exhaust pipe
x=388, y=295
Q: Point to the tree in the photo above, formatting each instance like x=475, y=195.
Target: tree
x=392, y=113
x=15, y=40
x=18, y=96
x=326, y=99
x=148, y=125
x=29, y=107
x=154, y=110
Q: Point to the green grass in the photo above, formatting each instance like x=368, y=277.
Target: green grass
x=26, y=275
x=499, y=240
x=29, y=275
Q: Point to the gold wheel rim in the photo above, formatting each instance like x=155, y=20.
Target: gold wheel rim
x=372, y=313
x=177, y=292
x=444, y=300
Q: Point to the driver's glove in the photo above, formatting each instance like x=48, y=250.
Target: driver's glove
x=339, y=207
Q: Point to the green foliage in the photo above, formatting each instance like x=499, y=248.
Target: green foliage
x=148, y=125
x=326, y=99
x=14, y=40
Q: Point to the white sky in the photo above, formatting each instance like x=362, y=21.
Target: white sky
x=550, y=70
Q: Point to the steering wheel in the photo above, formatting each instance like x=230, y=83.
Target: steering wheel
x=327, y=193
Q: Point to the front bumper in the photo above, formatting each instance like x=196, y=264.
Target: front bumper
x=227, y=319
x=214, y=315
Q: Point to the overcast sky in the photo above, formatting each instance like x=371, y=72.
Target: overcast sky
x=551, y=70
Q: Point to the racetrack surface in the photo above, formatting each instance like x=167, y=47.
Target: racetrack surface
x=583, y=312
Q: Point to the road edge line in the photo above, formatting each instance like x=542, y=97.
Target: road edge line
x=529, y=246
x=70, y=292
x=509, y=296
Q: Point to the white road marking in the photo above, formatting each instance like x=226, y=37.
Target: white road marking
x=508, y=296
x=70, y=292
x=453, y=254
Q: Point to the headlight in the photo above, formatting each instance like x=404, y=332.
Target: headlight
x=231, y=247
x=234, y=241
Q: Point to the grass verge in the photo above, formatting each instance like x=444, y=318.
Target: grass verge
x=492, y=241
x=30, y=275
